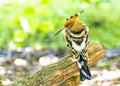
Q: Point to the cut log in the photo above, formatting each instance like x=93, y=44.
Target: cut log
x=55, y=74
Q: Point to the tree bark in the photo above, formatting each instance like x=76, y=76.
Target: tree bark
x=55, y=74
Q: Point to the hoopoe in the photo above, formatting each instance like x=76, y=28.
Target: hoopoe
x=77, y=36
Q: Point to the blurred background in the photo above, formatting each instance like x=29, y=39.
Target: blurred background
x=26, y=36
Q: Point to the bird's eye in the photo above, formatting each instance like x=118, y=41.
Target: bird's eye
x=68, y=25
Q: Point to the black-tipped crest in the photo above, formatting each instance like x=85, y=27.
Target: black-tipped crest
x=81, y=11
x=70, y=21
x=76, y=14
x=71, y=16
x=66, y=18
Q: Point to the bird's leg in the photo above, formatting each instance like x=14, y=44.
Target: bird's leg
x=75, y=59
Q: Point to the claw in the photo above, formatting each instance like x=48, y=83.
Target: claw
x=73, y=60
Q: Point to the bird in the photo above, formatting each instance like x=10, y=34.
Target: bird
x=76, y=33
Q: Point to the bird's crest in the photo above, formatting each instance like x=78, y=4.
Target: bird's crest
x=69, y=22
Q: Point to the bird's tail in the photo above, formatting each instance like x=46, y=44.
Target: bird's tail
x=84, y=70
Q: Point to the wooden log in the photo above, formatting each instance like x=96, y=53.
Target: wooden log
x=55, y=74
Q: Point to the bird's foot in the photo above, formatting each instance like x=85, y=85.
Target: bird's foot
x=73, y=59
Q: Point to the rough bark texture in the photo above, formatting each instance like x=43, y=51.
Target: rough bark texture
x=56, y=74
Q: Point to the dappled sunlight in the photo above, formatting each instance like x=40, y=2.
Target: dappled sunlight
x=46, y=60
x=20, y=62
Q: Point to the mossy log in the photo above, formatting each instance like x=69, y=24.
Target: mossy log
x=56, y=74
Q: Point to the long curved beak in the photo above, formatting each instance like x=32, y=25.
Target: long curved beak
x=59, y=31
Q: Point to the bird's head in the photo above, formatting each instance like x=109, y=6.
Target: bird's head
x=69, y=23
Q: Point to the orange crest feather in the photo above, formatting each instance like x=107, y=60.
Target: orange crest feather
x=70, y=21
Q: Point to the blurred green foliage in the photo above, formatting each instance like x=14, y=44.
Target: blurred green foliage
x=34, y=22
